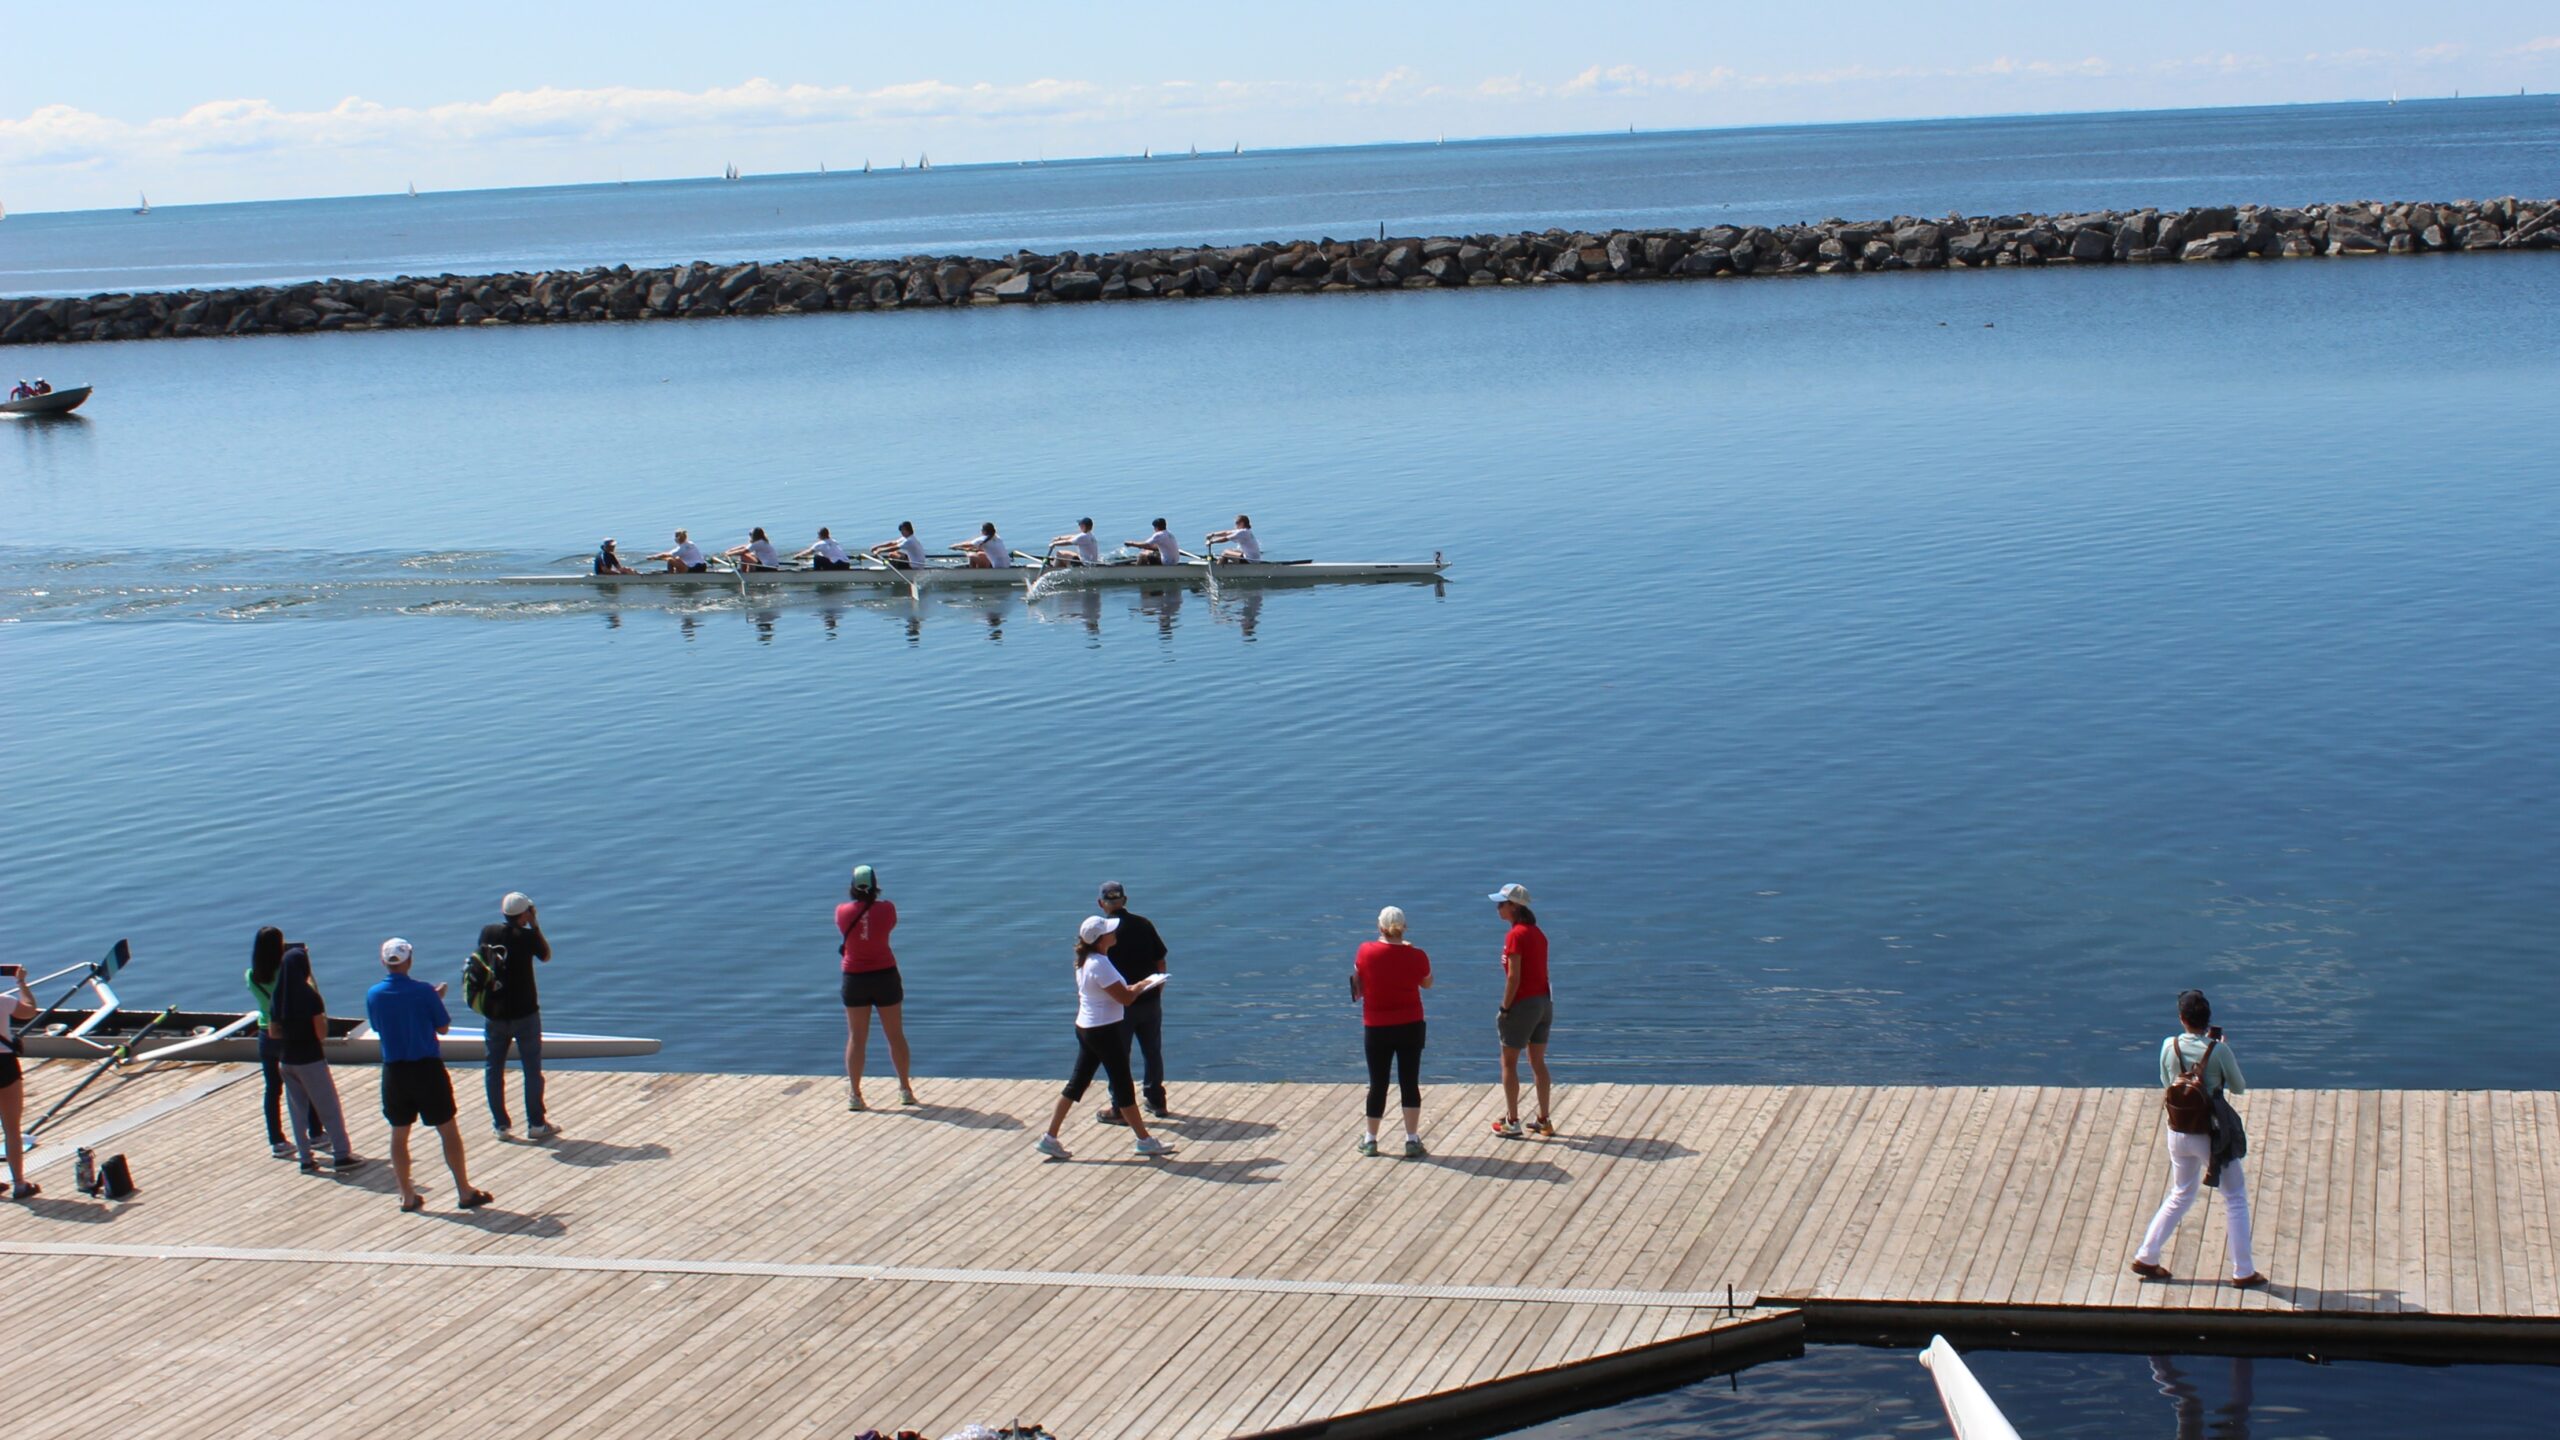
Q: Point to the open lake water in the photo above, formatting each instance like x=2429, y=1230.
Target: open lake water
x=1910, y=678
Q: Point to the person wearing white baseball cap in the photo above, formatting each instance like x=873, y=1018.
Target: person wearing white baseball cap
x=1102, y=1038
x=1528, y=1010
x=512, y=1012
x=408, y=1014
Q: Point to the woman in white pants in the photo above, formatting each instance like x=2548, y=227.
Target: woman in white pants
x=2199, y=1044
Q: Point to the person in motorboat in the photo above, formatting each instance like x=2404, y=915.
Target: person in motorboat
x=757, y=554
x=609, y=560
x=988, y=551
x=22, y=391
x=686, y=558
x=1076, y=548
x=43, y=386
x=904, y=553
x=1157, y=549
x=1244, y=548
x=826, y=554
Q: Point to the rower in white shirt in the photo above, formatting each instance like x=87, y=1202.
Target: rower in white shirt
x=1247, y=549
x=826, y=554
x=757, y=554
x=904, y=553
x=686, y=558
x=1081, y=547
x=988, y=551
x=1157, y=549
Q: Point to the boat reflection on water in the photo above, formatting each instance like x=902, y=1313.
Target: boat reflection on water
x=2228, y=1421
x=1094, y=611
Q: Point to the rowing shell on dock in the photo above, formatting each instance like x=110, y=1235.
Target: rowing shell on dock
x=211, y=1035
x=936, y=577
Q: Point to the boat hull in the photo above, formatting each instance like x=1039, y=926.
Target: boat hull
x=351, y=1042
x=944, y=577
x=60, y=402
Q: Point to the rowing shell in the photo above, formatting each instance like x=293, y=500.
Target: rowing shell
x=215, y=1036
x=1269, y=572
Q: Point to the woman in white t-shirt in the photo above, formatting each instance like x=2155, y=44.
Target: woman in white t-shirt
x=757, y=554
x=1102, y=1038
x=1245, y=550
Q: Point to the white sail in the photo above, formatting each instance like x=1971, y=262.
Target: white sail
x=924, y=162
x=413, y=189
x=145, y=207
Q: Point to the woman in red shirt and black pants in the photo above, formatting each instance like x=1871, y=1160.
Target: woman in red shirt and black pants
x=1388, y=978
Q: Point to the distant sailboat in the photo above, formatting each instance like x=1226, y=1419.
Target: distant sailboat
x=145, y=207
x=1238, y=150
x=413, y=189
x=731, y=173
x=822, y=167
x=866, y=165
x=1146, y=153
x=923, y=161
x=1195, y=152
x=2395, y=97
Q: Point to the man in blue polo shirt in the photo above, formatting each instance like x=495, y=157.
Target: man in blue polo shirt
x=408, y=1014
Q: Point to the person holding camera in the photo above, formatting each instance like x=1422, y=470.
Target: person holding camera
x=2197, y=1070
x=513, y=1016
x=17, y=1007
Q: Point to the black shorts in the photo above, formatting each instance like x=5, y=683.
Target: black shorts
x=10, y=1073
x=874, y=987
x=415, y=1091
x=821, y=562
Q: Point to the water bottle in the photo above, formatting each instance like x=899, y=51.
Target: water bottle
x=84, y=1173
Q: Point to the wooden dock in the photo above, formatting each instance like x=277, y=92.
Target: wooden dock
x=717, y=1255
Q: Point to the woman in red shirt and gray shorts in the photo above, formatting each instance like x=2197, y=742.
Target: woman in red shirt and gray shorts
x=870, y=983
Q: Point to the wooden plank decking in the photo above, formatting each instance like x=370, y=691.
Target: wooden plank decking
x=717, y=1255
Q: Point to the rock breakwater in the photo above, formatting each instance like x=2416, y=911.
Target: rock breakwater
x=1827, y=247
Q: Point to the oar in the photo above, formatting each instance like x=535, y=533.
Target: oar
x=1209, y=569
x=914, y=592
x=117, y=956
x=115, y=1057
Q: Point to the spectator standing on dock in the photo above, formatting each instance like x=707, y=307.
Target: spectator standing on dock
x=1137, y=953
x=870, y=982
x=1102, y=1038
x=2197, y=1070
x=17, y=1007
x=513, y=1012
x=266, y=962
x=1388, y=978
x=302, y=1026
x=1528, y=1011
x=409, y=1014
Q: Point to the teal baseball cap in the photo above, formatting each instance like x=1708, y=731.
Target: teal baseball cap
x=866, y=879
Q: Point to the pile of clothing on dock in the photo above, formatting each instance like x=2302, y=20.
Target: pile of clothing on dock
x=1015, y=1431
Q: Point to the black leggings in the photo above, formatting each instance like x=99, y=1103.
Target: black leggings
x=1106, y=1048
x=271, y=1061
x=1400, y=1045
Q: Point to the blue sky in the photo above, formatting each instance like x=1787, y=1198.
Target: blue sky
x=231, y=102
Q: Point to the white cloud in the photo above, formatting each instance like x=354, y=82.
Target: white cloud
x=2540, y=44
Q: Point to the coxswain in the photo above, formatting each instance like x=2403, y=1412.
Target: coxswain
x=609, y=560
x=1157, y=549
x=988, y=551
x=1245, y=549
x=904, y=553
x=757, y=554
x=826, y=554
x=1080, y=547
x=686, y=558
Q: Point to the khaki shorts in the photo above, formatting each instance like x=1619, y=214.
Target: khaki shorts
x=1527, y=1023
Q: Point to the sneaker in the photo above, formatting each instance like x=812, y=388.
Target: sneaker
x=1540, y=1126
x=1368, y=1144
x=1156, y=1110
x=1049, y=1146
x=310, y=1167
x=1151, y=1147
x=907, y=1095
x=281, y=1149
x=1413, y=1149
x=351, y=1162
x=1108, y=1117
x=502, y=1130
x=1507, y=1129
x=541, y=1130
x=853, y=1101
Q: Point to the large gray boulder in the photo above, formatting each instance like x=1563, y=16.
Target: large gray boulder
x=1076, y=285
x=2221, y=245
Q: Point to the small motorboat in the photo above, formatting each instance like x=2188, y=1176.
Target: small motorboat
x=58, y=402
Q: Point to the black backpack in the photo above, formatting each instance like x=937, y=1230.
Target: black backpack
x=484, y=977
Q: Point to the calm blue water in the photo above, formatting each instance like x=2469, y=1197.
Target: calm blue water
x=1891, y=679
x=2286, y=155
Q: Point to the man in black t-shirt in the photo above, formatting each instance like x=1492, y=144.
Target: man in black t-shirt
x=513, y=947
x=1138, y=954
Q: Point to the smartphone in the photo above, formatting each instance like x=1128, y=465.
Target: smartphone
x=18, y=971
x=2213, y=1032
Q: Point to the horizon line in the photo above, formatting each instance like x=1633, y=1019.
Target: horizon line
x=1038, y=161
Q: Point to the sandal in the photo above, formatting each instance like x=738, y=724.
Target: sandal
x=474, y=1199
x=28, y=1191
x=413, y=1204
